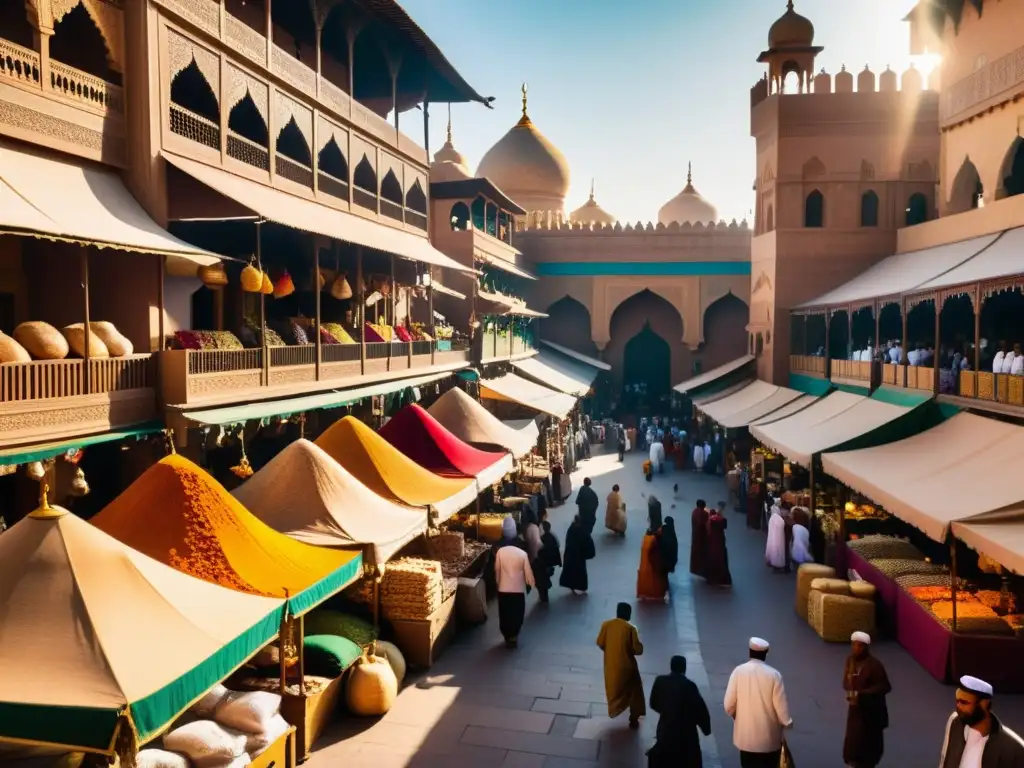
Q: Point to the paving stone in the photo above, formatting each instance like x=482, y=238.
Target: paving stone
x=523, y=760
x=542, y=744
x=564, y=725
x=562, y=707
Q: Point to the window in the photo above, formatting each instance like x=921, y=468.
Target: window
x=814, y=210
x=869, y=209
x=917, y=209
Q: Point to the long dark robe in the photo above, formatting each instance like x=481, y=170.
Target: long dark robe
x=682, y=711
x=579, y=547
x=511, y=610
x=669, y=546
x=698, y=541
x=587, y=503
x=868, y=717
x=548, y=559
x=717, y=564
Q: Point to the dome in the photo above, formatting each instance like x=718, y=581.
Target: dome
x=591, y=213
x=449, y=164
x=527, y=167
x=791, y=30
x=688, y=207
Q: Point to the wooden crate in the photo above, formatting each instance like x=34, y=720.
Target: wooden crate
x=309, y=714
x=421, y=641
x=280, y=754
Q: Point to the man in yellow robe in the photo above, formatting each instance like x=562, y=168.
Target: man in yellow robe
x=623, y=686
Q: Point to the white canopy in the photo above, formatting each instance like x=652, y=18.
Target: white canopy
x=304, y=493
x=755, y=400
x=469, y=421
x=1000, y=259
x=803, y=401
x=514, y=389
x=903, y=272
x=962, y=470
x=592, y=361
x=713, y=375
x=558, y=372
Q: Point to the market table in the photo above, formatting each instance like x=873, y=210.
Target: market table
x=888, y=590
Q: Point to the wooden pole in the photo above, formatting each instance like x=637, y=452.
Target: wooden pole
x=953, y=579
x=160, y=300
x=265, y=350
x=979, y=302
x=376, y=598
x=937, y=344
x=361, y=309
x=478, y=517
x=86, y=373
x=282, y=634
x=841, y=538
x=301, y=635
x=317, y=291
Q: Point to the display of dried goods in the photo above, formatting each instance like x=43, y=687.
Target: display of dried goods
x=411, y=588
x=966, y=609
x=932, y=593
x=449, y=586
x=361, y=592
x=985, y=625
x=457, y=566
x=899, y=566
x=875, y=547
x=312, y=684
x=447, y=545
x=925, y=580
x=996, y=600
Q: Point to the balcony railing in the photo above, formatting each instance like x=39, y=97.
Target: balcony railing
x=189, y=376
x=807, y=365
x=57, y=379
x=19, y=64
x=853, y=370
x=89, y=91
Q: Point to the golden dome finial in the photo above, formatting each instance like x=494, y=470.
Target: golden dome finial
x=689, y=173
x=591, y=188
x=449, y=123
x=525, y=119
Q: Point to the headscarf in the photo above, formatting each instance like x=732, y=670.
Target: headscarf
x=508, y=529
x=654, y=513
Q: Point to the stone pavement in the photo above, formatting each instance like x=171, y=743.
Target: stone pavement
x=543, y=705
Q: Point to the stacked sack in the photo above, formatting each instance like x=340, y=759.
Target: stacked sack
x=225, y=729
x=448, y=545
x=411, y=588
x=361, y=593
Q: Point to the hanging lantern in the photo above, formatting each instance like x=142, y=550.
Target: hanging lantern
x=267, y=288
x=252, y=279
x=36, y=470
x=242, y=469
x=340, y=289
x=213, y=276
x=219, y=440
x=321, y=281
x=79, y=487
x=285, y=286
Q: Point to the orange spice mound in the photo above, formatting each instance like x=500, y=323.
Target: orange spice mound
x=178, y=514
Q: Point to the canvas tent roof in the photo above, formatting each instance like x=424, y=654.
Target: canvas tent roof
x=527, y=428
x=304, y=493
x=710, y=377
x=558, y=372
x=748, y=405
x=179, y=515
x=831, y=422
x=795, y=406
x=423, y=439
x=388, y=472
x=1001, y=541
x=1000, y=259
x=468, y=420
x=918, y=479
x=515, y=389
x=92, y=627
x=591, y=361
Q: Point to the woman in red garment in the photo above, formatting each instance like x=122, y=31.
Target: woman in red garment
x=717, y=564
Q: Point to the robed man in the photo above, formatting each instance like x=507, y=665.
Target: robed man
x=587, y=504
x=866, y=684
x=623, y=687
x=682, y=711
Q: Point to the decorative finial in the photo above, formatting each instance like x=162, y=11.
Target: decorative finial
x=789, y=5
x=689, y=165
x=591, y=189
x=526, y=88
x=44, y=493
x=449, y=123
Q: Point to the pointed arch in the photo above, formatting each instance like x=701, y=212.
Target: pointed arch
x=292, y=144
x=869, y=209
x=416, y=199
x=568, y=323
x=198, y=118
x=248, y=135
x=814, y=210
x=967, y=188
x=332, y=170
x=479, y=209
x=725, y=325
x=814, y=168
x=391, y=188
x=1011, y=172
x=78, y=41
x=365, y=177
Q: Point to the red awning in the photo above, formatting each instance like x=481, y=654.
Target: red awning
x=423, y=439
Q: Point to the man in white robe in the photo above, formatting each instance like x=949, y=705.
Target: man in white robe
x=755, y=699
x=775, y=549
x=698, y=457
x=657, y=456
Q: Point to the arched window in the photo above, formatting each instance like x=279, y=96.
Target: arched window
x=415, y=200
x=199, y=116
x=79, y=43
x=917, y=209
x=391, y=196
x=460, y=217
x=967, y=188
x=869, y=209
x=332, y=170
x=292, y=144
x=479, y=213
x=246, y=121
x=365, y=177
x=759, y=348
x=814, y=210
x=1013, y=169
x=492, y=220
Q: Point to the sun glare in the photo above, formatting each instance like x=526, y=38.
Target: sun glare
x=926, y=63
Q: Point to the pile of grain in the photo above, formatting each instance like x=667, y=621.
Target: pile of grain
x=361, y=592
x=448, y=545
x=457, y=566
x=411, y=588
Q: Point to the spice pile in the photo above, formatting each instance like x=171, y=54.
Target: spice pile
x=448, y=545
x=411, y=588
x=361, y=592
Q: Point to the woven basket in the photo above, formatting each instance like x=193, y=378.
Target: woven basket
x=807, y=573
x=831, y=586
x=836, y=617
x=213, y=276
x=863, y=589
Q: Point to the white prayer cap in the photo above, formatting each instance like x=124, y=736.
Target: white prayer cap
x=976, y=685
x=860, y=637
x=757, y=644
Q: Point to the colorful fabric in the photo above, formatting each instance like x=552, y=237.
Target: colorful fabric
x=371, y=334
x=337, y=330
x=651, y=579
x=180, y=516
x=329, y=655
x=402, y=333
x=421, y=437
x=623, y=686
x=388, y=472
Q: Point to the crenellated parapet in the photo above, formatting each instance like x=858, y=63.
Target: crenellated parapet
x=910, y=82
x=540, y=220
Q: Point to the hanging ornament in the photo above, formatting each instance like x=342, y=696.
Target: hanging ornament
x=267, y=287
x=242, y=469
x=340, y=289
x=36, y=471
x=213, y=276
x=284, y=286
x=219, y=440
x=79, y=487
x=252, y=279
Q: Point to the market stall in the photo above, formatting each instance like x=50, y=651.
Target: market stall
x=966, y=631
x=390, y=474
x=180, y=516
x=103, y=646
x=515, y=389
x=558, y=372
x=423, y=439
x=754, y=401
x=469, y=421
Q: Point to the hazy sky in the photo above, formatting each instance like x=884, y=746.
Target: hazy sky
x=630, y=91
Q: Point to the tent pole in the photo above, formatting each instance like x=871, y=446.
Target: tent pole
x=953, y=579
x=301, y=641
x=478, y=517
x=376, y=598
